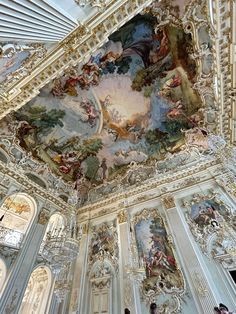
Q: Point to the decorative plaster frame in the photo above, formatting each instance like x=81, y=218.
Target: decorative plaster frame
x=211, y=235
x=37, y=53
x=176, y=294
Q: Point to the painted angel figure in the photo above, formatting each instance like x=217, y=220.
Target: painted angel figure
x=90, y=111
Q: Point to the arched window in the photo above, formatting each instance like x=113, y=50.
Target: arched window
x=56, y=224
x=37, y=294
x=3, y=273
x=56, y=227
x=16, y=212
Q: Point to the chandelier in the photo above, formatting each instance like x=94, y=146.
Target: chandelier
x=93, y=3
x=60, y=248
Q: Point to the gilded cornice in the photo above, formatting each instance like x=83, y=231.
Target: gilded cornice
x=72, y=50
x=172, y=179
x=224, y=16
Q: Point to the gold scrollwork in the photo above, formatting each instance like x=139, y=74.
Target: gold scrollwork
x=43, y=216
x=168, y=201
x=122, y=216
x=200, y=285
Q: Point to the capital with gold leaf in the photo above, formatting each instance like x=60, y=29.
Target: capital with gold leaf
x=168, y=201
x=122, y=216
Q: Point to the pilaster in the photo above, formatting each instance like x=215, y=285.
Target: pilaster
x=79, y=272
x=199, y=282
x=53, y=305
x=13, y=292
x=127, y=287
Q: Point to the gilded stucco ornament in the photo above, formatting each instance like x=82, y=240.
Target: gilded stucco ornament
x=228, y=183
x=213, y=223
x=128, y=293
x=36, y=52
x=61, y=289
x=225, y=64
x=43, y=216
x=70, y=42
x=85, y=228
x=202, y=290
x=168, y=201
x=101, y=4
x=222, y=247
x=62, y=282
x=122, y=216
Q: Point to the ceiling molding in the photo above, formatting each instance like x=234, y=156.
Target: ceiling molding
x=34, y=189
x=174, y=181
x=223, y=19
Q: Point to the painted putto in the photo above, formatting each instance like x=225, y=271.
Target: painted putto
x=132, y=101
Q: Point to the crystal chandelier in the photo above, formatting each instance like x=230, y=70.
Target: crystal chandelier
x=62, y=282
x=60, y=248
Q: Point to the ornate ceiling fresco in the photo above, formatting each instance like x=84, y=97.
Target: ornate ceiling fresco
x=136, y=103
x=131, y=102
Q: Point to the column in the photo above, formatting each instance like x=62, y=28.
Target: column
x=129, y=295
x=79, y=273
x=200, y=284
x=18, y=278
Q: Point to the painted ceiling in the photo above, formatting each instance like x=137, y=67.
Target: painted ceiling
x=130, y=102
